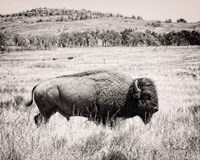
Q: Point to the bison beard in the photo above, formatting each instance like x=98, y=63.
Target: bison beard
x=99, y=95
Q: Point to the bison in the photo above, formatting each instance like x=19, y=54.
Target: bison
x=99, y=95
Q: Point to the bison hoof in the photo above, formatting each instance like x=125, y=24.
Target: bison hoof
x=39, y=119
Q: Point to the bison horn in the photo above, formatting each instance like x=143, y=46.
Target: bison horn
x=136, y=86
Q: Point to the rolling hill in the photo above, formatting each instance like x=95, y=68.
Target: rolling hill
x=43, y=28
x=56, y=21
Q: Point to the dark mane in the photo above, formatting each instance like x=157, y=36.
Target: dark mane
x=148, y=87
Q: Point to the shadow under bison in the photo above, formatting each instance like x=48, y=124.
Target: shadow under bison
x=99, y=95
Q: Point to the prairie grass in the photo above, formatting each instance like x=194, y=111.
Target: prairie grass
x=173, y=133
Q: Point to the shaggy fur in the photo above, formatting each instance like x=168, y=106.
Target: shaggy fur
x=99, y=95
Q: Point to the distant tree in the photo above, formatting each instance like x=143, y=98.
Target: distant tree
x=115, y=38
x=168, y=21
x=20, y=40
x=133, y=17
x=61, y=19
x=110, y=15
x=105, y=36
x=118, y=15
x=181, y=20
x=155, y=24
x=50, y=13
x=139, y=18
x=39, y=20
x=3, y=42
x=148, y=31
x=126, y=36
x=20, y=14
x=154, y=34
x=194, y=38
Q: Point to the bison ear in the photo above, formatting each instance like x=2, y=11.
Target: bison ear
x=135, y=90
x=146, y=82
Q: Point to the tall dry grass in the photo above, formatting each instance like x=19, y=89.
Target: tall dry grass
x=174, y=132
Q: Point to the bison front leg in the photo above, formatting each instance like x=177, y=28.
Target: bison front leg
x=39, y=119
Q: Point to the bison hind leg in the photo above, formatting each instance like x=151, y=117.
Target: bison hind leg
x=46, y=111
x=108, y=121
x=103, y=120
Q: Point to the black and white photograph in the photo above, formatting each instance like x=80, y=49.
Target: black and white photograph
x=99, y=80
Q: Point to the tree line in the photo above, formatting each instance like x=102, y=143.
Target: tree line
x=180, y=38
x=49, y=15
x=58, y=15
x=108, y=38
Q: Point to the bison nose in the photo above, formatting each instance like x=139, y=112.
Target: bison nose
x=155, y=110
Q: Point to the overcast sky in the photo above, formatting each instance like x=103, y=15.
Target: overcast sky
x=148, y=9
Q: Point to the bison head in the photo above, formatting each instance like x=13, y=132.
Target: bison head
x=143, y=91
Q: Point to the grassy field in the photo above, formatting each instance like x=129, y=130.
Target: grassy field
x=173, y=134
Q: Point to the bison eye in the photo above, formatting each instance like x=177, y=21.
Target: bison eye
x=146, y=97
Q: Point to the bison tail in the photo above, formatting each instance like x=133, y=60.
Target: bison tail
x=28, y=103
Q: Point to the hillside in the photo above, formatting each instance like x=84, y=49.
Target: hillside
x=56, y=21
x=111, y=23
x=41, y=29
